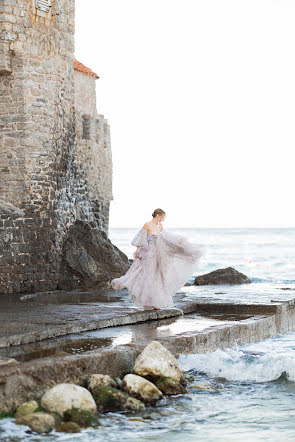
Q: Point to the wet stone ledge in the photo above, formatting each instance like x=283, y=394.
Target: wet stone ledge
x=21, y=382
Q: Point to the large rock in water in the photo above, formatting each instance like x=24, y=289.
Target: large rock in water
x=222, y=276
x=141, y=388
x=155, y=361
x=83, y=418
x=89, y=258
x=64, y=397
x=38, y=422
x=169, y=386
x=110, y=399
x=68, y=427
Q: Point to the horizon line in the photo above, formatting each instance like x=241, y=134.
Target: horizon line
x=203, y=227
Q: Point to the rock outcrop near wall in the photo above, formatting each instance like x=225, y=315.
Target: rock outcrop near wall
x=52, y=173
x=89, y=258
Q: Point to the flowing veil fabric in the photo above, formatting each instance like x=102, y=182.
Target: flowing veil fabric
x=165, y=262
x=178, y=259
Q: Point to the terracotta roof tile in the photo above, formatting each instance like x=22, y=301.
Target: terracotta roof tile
x=82, y=68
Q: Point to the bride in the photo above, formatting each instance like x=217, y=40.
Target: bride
x=163, y=262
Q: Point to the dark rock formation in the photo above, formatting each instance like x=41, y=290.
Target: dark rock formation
x=169, y=386
x=222, y=276
x=68, y=427
x=110, y=399
x=89, y=258
x=84, y=418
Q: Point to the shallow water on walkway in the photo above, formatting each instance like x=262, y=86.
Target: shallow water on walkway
x=73, y=297
x=114, y=336
x=241, y=394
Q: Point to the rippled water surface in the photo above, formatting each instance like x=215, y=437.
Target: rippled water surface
x=266, y=256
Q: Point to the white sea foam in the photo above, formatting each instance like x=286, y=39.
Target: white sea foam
x=262, y=362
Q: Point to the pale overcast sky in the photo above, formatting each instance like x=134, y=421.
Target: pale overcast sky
x=200, y=97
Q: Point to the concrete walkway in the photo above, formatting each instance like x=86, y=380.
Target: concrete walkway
x=114, y=332
x=31, y=318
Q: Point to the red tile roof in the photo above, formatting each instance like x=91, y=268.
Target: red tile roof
x=82, y=68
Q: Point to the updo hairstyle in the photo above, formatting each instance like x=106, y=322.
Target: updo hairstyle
x=158, y=212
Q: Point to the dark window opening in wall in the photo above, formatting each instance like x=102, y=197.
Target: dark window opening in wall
x=105, y=138
x=86, y=126
x=97, y=130
x=44, y=5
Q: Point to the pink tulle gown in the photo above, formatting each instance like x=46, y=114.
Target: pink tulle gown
x=166, y=262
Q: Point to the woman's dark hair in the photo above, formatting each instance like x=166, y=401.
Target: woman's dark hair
x=158, y=212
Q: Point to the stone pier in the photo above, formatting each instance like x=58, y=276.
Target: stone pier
x=100, y=332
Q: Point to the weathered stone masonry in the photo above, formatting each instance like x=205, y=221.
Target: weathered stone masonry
x=55, y=153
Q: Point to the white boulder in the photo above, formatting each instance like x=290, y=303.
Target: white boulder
x=97, y=380
x=141, y=388
x=156, y=361
x=63, y=397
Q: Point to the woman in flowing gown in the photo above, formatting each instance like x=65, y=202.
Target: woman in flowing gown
x=163, y=262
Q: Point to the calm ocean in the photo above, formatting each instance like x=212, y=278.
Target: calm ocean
x=267, y=256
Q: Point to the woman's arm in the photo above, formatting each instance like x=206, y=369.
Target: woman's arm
x=140, y=238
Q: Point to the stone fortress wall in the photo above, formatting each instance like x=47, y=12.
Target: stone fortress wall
x=55, y=152
x=94, y=155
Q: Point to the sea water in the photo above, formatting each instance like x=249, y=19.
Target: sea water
x=242, y=393
x=266, y=256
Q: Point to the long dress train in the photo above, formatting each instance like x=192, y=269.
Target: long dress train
x=166, y=261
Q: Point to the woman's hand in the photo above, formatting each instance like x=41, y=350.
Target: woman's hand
x=136, y=255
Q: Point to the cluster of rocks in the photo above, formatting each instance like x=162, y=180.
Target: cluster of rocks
x=70, y=407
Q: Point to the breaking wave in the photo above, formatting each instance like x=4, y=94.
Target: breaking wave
x=262, y=362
